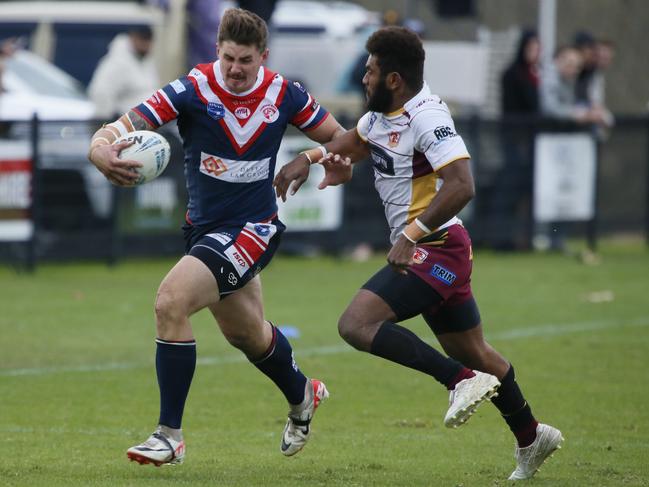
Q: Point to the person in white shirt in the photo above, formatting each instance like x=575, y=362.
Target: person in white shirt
x=423, y=176
x=126, y=75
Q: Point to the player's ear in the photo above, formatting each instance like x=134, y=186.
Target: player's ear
x=264, y=55
x=393, y=80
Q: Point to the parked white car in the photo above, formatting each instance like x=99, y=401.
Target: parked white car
x=34, y=86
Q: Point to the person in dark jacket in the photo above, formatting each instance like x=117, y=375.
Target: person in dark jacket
x=520, y=81
x=509, y=198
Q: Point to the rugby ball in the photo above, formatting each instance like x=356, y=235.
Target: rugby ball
x=149, y=149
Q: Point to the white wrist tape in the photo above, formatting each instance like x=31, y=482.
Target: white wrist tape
x=119, y=127
x=403, y=232
x=422, y=226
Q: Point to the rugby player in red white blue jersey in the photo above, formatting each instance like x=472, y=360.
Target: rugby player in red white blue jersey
x=231, y=115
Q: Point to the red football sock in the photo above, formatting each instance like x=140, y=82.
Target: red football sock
x=463, y=374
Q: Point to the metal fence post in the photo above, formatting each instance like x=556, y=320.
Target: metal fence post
x=591, y=226
x=34, y=210
x=115, y=248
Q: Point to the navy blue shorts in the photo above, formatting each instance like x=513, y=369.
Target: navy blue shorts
x=234, y=254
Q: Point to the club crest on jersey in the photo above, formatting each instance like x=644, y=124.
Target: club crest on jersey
x=213, y=165
x=215, y=110
x=242, y=113
x=420, y=256
x=442, y=274
x=262, y=230
x=270, y=112
x=393, y=139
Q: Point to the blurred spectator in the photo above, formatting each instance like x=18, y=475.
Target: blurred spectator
x=587, y=47
x=605, y=53
x=506, y=202
x=7, y=48
x=558, y=88
x=559, y=94
x=126, y=75
x=520, y=81
x=589, y=88
x=203, y=17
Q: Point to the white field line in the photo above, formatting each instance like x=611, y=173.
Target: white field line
x=547, y=330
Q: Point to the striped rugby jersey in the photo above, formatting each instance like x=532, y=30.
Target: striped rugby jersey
x=407, y=148
x=231, y=140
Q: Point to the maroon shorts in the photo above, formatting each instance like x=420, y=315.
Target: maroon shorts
x=445, y=264
x=437, y=285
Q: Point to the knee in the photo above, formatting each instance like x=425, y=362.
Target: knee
x=351, y=330
x=169, y=309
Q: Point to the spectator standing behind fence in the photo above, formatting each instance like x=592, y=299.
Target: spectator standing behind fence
x=508, y=197
x=605, y=52
x=520, y=81
x=125, y=75
x=559, y=94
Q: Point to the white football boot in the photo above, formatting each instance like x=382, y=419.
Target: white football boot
x=468, y=395
x=530, y=458
x=298, y=427
x=158, y=449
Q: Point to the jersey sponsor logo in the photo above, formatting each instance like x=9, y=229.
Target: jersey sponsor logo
x=383, y=162
x=215, y=110
x=393, y=139
x=442, y=274
x=239, y=262
x=242, y=112
x=234, y=171
x=444, y=132
x=178, y=86
x=213, y=166
x=270, y=112
x=299, y=86
x=420, y=256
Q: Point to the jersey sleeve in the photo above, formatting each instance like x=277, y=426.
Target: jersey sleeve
x=309, y=114
x=166, y=104
x=436, y=138
x=364, y=124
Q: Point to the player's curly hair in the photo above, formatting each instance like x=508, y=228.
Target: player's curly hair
x=400, y=50
x=243, y=27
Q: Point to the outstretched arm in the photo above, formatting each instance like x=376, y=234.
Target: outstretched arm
x=458, y=189
x=336, y=157
x=105, y=156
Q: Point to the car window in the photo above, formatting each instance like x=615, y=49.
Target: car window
x=38, y=76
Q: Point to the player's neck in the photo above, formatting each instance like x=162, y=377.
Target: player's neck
x=399, y=100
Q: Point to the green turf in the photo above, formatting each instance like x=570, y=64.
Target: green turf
x=77, y=384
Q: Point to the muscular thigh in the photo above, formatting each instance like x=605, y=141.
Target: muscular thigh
x=407, y=295
x=190, y=285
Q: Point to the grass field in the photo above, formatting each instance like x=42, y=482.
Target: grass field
x=77, y=383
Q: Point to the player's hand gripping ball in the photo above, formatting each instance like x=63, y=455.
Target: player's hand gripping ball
x=149, y=149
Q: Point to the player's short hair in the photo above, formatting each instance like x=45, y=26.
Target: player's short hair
x=243, y=27
x=398, y=49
